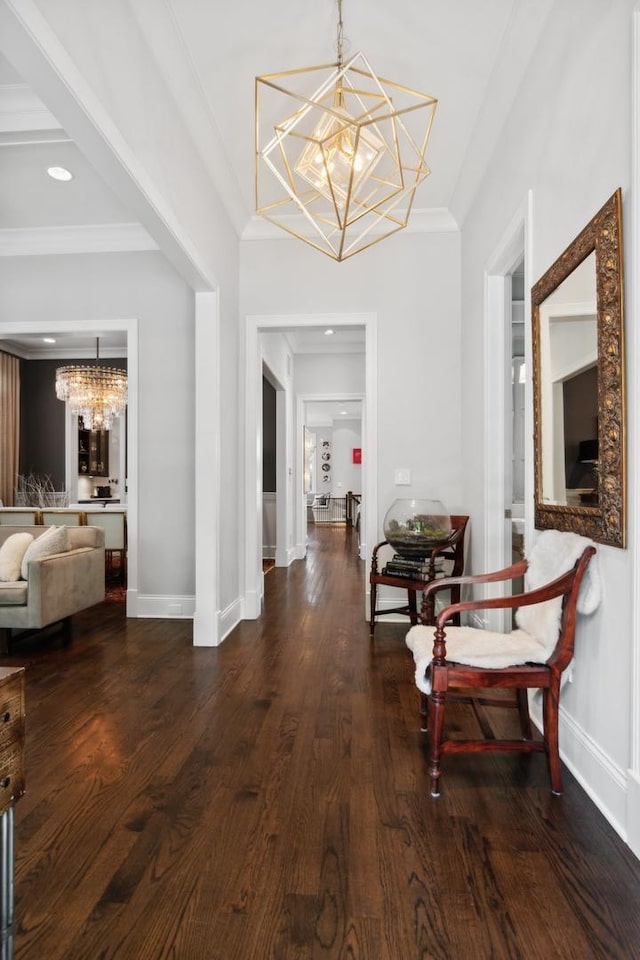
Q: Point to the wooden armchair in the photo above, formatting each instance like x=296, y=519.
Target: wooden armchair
x=453, y=554
x=531, y=657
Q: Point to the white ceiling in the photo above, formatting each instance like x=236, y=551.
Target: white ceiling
x=32, y=346
x=470, y=55
x=326, y=413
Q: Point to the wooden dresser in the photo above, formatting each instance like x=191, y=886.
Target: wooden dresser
x=12, y=718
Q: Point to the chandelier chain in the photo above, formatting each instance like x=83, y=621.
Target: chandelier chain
x=340, y=34
x=338, y=165
x=97, y=394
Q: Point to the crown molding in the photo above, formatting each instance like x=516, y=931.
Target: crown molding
x=435, y=220
x=46, y=352
x=94, y=238
x=21, y=109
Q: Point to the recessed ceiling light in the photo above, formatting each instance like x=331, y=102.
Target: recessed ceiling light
x=343, y=413
x=48, y=340
x=59, y=173
x=329, y=332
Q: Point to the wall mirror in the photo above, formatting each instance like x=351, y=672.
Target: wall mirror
x=578, y=384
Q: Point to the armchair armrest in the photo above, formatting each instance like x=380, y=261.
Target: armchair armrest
x=446, y=583
x=64, y=583
x=555, y=588
x=508, y=573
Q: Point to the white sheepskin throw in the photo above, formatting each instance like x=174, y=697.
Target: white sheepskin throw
x=11, y=553
x=552, y=555
x=477, y=648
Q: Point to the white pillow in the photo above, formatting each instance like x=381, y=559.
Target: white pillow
x=11, y=553
x=55, y=540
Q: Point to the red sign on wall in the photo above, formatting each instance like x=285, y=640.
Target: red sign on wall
x=357, y=454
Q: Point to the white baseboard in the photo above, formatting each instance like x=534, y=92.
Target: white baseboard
x=132, y=603
x=633, y=811
x=251, y=604
x=387, y=603
x=229, y=618
x=284, y=558
x=163, y=608
x=603, y=780
x=183, y=608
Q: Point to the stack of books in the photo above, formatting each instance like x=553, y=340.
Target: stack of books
x=418, y=569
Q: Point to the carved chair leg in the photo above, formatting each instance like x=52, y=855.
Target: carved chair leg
x=550, y=703
x=436, y=723
x=523, y=711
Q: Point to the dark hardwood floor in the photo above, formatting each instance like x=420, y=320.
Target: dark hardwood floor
x=268, y=800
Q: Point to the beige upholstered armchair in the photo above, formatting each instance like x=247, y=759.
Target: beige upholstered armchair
x=50, y=586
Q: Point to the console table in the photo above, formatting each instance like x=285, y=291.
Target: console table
x=12, y=716
x=452, y=552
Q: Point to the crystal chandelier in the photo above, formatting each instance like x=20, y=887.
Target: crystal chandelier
x=97, y=394
x=341, y=170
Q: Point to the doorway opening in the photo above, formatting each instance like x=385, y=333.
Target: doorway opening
x=129, y=329
x=279, y=354
x=508, y=461
x=520, y=365
x=332, y=440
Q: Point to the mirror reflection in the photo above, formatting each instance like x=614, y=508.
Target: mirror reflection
x=569, y=389
x=578, y=384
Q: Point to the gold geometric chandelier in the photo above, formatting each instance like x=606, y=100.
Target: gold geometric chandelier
x=340, y=152
x=97, y=394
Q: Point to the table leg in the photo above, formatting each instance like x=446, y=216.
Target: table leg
x=413, y=607
x=372, y=604
x=6, y=883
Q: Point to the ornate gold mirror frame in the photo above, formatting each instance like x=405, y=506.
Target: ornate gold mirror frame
x=560, y=503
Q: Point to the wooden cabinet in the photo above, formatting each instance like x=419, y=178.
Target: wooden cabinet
x=11, y=789
x=93, y=451
x=11, y=736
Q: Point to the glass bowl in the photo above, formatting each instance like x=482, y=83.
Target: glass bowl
x=415, y=527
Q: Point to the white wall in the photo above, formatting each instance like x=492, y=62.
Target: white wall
x=144, y=286
x=412, y=283
x=568, y=141
x=84, y=62
x=338, y=376
x=276, y=355
x=331, y=375
x=346, y=475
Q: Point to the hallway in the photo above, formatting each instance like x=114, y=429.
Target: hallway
x=267, y=800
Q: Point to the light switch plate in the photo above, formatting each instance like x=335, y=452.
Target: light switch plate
x=403, y=477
